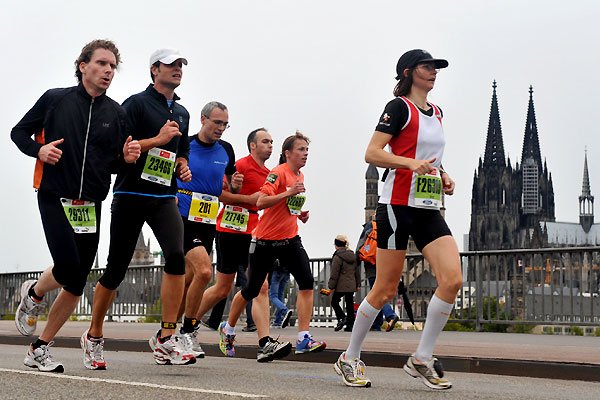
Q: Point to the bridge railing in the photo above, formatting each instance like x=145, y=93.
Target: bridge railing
x=557, y=286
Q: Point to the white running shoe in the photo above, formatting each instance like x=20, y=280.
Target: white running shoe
x=28, y=310
x=190, y=342
x=93, y=352
x=41, y=359
x=171, y=352
x=428, y=373
x=351, y=371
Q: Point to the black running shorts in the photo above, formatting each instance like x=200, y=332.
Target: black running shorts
x=395, y=223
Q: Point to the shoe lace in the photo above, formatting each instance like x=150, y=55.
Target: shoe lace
x=45, y=357
x=186, y=340
x=358, y=368
x=229, y=340
x=33, y=307
x=97, y=349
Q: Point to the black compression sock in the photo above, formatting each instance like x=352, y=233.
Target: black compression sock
x=189, y=324
x=263, y=341
x=32, y=294
x=38, y=343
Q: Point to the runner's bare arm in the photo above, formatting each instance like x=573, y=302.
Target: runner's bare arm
x=266, y=201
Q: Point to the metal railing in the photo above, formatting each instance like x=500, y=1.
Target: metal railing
x=557, y=286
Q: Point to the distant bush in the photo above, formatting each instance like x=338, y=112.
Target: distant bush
x=8, y=317
x=597, y=332
x=153, y=314
x=521, y=328
x=458, y=327
x=491, y=310
x=576, y=331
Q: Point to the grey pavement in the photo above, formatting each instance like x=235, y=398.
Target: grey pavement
x=543, y=356
x=133, y=375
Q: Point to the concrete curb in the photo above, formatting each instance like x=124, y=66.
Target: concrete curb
x=478, y=365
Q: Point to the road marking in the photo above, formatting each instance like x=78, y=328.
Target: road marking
x=142, y=384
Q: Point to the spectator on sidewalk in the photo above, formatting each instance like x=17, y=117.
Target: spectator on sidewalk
x=344, y=280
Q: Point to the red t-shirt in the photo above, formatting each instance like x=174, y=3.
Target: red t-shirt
x=277, y=222
x=254, y=177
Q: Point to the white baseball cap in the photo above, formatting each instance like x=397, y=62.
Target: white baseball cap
x=167, y=56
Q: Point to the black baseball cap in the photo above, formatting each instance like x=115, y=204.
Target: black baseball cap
x=411, y=58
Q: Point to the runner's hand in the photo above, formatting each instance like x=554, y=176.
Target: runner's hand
x=49, y=153
x=448, y=184
x=422, y=167
x=297, y=188
x=237, y=180
x=131, y=150
x=168, y=131
x=183, y=171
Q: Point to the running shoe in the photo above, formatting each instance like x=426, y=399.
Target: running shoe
x=41, y=359
x=428, y=373
x=190, y=342
x=93, y=352
x=27, y=313
x=273, y=350
x=351, y=371
x=249, y=328
x=286, y=319
x=226, y=342
x=171, y=352
x=309, y=345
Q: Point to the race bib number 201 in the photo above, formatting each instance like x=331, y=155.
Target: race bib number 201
x=204, y=208
x=80, y=214
x=159, y=166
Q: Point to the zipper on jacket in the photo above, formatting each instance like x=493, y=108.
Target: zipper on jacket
x=87, y=132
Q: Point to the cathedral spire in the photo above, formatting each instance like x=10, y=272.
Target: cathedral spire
x=586, y=200
x=531, y=143
x=585, y=189
x=494, y=147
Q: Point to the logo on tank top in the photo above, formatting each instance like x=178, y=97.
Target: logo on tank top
x=385, y=118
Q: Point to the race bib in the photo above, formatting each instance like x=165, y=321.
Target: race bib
x=295, y=203
x=81, y=215
x=235, y=217
x=204, y=208
x=159, y=166
x=428, y=190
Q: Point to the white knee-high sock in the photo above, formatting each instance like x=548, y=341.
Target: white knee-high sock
x=438, y=312
x=365, y=315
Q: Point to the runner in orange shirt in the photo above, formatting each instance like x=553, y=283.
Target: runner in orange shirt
x=282, y=197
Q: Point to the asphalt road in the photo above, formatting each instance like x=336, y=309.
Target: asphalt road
x=133, y=375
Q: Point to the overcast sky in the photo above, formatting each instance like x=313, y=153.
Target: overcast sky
x=326, y=68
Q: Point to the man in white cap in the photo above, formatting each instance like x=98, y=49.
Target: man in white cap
x=145, y=192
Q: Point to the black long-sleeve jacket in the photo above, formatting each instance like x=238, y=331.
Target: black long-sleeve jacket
x=147, y=112
x=94, y=131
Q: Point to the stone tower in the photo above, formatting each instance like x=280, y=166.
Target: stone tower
x=371, y=194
